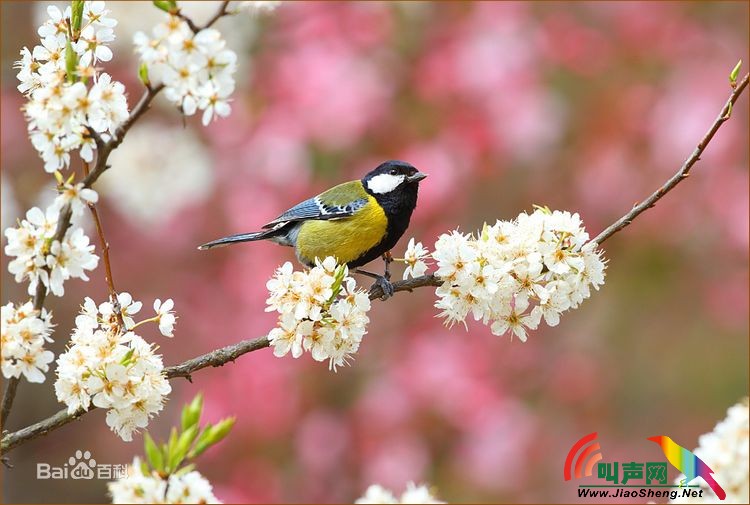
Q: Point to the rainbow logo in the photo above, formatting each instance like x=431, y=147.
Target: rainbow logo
x=584, y=464
x=688, y=463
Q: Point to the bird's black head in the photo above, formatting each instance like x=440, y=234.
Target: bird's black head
x=394, y=184
x=392, y=178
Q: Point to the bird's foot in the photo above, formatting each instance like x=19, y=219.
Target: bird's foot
x=382, y=284
x=385, y=286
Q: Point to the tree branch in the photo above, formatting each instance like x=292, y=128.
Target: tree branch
x=39, y=429
x=195, y=28
x=104, y=149
x=229, y=353
x=681, y=174
x=105, y=256
x=216, y=358
x=8, y=397
x=219, y=357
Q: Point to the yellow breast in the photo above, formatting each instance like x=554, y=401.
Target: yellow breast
x=345, y=239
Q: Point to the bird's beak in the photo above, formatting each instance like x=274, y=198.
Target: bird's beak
x=655, y=439
x=416, y=177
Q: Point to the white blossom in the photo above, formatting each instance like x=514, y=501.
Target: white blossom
x=725, y=451
x=197, y=70
x=55, y=26
x=24, y=333
x=321, y=311
x=95, y=14
x=413, y=494
x=61, y=108
x=92, y=45
x=514, y=274
x=39, y=258
x=165, y=316
x=181, y=487
x=112, y=368
x=76, y=196
x=414, y=257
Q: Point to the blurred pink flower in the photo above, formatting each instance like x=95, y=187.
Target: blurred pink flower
x=494, y=451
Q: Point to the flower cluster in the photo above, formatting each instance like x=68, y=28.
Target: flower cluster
x=24, y=333
x=514, y=273
x=320, y=311
x=415, y=258
x=725, y=451
x=149, y=487
x=67, y=96
x=413, y=494
x=41, y=258
x=113, y=368
x=196, y=69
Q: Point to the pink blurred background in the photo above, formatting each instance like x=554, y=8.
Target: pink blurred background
x=580, y=106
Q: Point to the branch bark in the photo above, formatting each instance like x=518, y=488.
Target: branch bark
x=223, y=11
x=216, y=358
x=104, y=149
x=682, y=173
x=230, y=353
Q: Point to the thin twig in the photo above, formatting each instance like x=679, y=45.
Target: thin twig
x=61, y=418
x=8, y=397
x=216, y=358
x=682, y=173
x=104, y=149
x=105, y=251
x=105, y=256
x=195, y=28
x=219, y=357
x=229, y=353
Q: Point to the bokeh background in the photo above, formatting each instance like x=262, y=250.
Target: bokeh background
x=579, y=106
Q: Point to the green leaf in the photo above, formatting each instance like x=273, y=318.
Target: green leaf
x=221, y=430
x=202, y=443
x=729, y=111
x=735, y=72
x=183, y=446
x=144, y=468
x=212, y=435
x=153, y=454
x=59, y=177
x=338, y=280
x=191, y=413
x=169, y=6
x=170, y=449
x=185, y=469
x=76, y=17
x=143, y=74
x=485, y=232
x=71, y=62
x=125, y=361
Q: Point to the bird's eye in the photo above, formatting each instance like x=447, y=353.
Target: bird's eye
x=394, y=171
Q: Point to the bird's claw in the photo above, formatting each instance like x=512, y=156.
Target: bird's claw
x=386, y=287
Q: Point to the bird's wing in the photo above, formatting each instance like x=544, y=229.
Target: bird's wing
x=340, y=201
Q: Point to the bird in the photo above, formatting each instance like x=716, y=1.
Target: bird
x=688, y=463
x=355, y=222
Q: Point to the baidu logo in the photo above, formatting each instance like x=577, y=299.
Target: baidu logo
x=81, y=466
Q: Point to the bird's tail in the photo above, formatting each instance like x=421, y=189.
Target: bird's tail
x=715, y=487
x=240, y=237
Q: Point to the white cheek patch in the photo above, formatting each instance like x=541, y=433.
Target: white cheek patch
x=384, y=183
